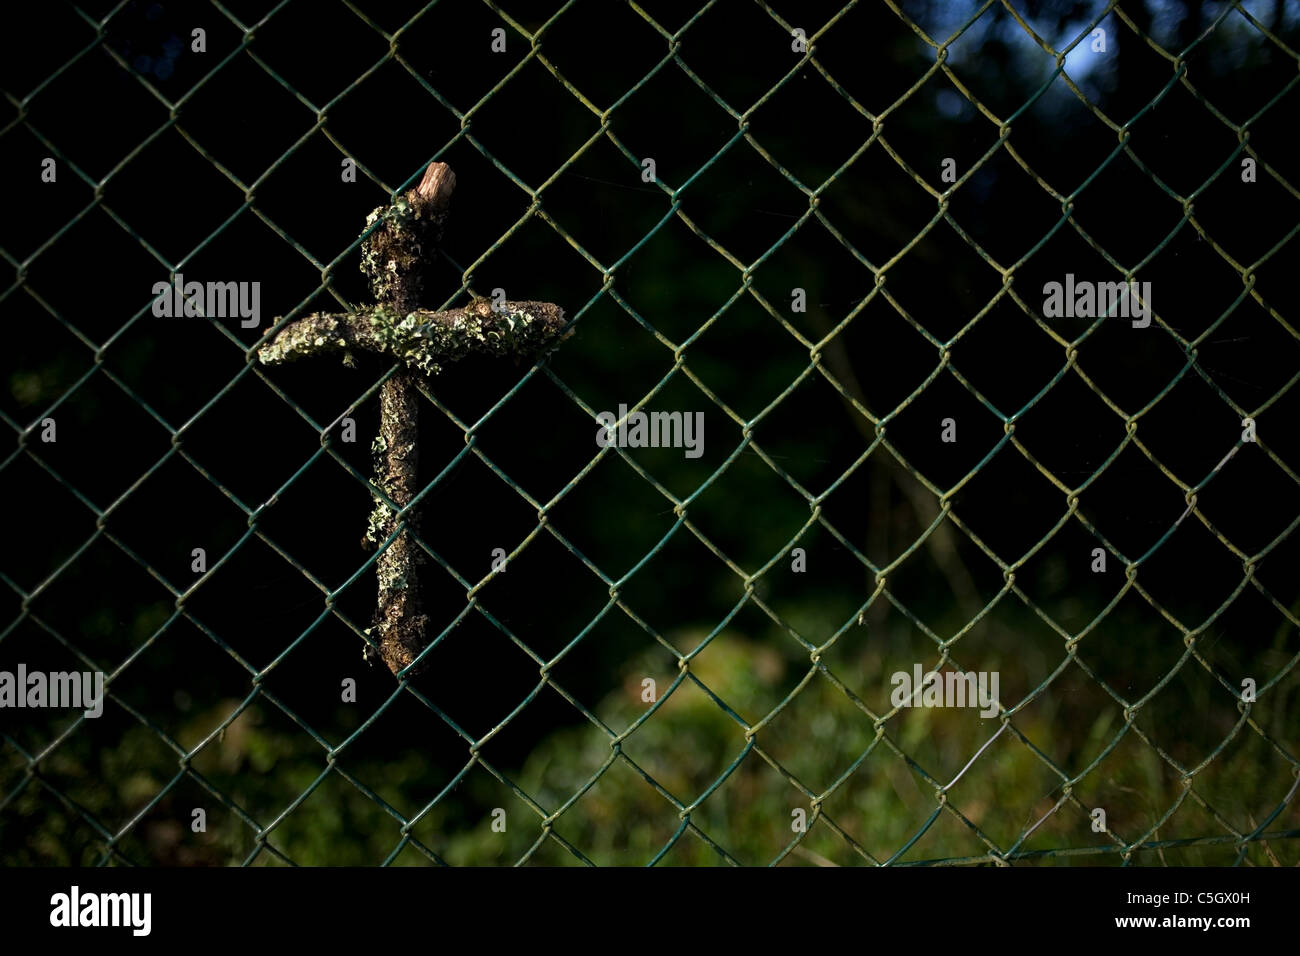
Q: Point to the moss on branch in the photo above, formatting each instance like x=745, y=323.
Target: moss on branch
x=397, y=257
x=422, y=340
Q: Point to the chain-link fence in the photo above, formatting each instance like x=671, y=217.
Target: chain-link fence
x=861, y=252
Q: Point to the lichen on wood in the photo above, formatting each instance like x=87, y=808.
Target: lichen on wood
x=400, y=620
x=397, y=257
x=424, y=341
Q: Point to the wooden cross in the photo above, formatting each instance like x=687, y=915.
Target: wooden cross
x=397, y=257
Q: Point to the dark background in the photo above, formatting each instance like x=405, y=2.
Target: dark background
x=225, y=166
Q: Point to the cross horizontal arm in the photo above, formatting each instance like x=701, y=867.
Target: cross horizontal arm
x=421, y=339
